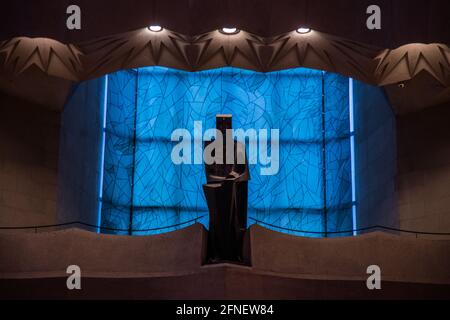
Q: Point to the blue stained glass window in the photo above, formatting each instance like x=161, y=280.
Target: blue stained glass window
x=143, y=189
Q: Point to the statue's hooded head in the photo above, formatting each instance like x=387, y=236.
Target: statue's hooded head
x=223, y=122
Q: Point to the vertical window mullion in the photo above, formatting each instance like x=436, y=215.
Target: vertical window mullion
x=324, y=160
x=130, y=226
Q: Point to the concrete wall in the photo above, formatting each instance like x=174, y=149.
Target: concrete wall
x=50, y=253
x=400, y=258
x=375, y=155
x=424, y=170
x=79, y=156
x=47, y=254
x=29, y=139
x=219, y=281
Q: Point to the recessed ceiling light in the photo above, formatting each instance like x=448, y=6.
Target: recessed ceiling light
x=155, y=28
x=229, y=30
x=303, y=30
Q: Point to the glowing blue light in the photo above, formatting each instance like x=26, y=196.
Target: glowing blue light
x=352, y=152
x=102, y=156
x=155, y=101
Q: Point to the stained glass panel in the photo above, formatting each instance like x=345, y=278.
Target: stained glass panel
x=310, y=192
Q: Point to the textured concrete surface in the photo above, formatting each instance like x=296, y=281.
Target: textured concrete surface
x=403, y=259
x=29, y=140
x=169, y=266
x=375, y=155
x=400, y=258
x=50, y=253
x=424, y=170
x=80, y=154
x=216, y=282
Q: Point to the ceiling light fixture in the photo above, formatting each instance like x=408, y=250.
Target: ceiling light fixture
x=303, y=30
x=229, y=30
x=155, y=28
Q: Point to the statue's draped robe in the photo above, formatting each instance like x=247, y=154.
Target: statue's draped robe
x=226, y=193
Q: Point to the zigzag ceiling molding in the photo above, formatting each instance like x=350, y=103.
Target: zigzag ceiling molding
x=213, y=49
x=323, y=51
x=409, y=60
x=135, y=49
x=243, y=50
x=52, y=57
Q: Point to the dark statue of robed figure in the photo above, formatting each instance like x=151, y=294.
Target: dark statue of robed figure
x=226, y=193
